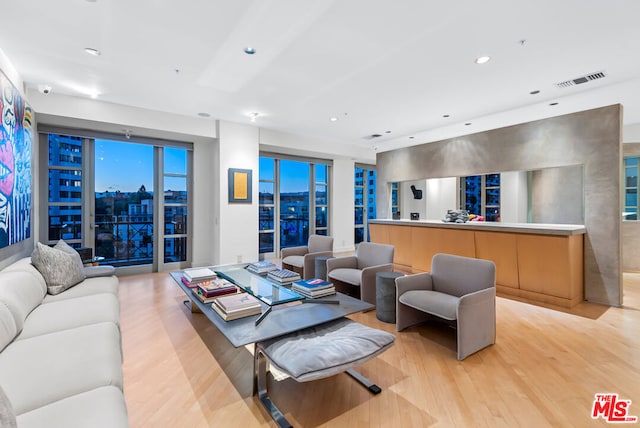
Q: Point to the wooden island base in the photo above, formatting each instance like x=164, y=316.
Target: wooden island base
x=535, y=263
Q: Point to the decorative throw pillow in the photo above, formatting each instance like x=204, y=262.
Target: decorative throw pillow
x=63, y=246
x=59, y=269
x=7, y=417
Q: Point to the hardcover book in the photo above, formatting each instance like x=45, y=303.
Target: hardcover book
x=262, y=266
x=194, y=284
x=237, y=302
x=216, y=288
x=313, y=284
x=316, y=294
x=208, y=299
x=237, y=314
x=198, y=274
x=283, y=276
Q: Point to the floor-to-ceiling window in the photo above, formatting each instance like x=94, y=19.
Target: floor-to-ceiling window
x=267, y=205
x=480, y=195
x=395, y=200
x=176, y=204
x=127, y=201
x=124, y=215
x=293, y=201
x=64, y=207
x=364, y=201
x=631, y=205
x=322, y=199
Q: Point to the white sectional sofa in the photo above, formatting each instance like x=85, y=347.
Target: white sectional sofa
x=60, y=355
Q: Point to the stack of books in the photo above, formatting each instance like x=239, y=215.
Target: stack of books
x=314, y=288
x=206, y=292
x=236, y=306
x=283, y=276
x=197, y=276
x=261, y=267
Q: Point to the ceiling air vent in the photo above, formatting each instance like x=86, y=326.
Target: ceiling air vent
x=581, y=79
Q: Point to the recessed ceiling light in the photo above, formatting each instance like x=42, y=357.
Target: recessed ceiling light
x=411, y=138
x=445, y=115
x=387, y=132
x=534, y=92
x=482, y=59
x=467, y=124
x=553, y=104
x=92, y=51
x=249, y=50
x=253, y=115
x=333, y=119
x=204, y=114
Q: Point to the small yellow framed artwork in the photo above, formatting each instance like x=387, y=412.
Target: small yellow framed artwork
x=240, y=185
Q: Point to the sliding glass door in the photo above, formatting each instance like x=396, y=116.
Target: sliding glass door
x=124, y=214
x=129, y=202
x=294, y=202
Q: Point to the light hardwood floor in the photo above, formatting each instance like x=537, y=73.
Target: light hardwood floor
x=543, y=371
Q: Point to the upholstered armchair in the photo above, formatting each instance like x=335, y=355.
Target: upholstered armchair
x=302, y=259
x=356, y=275
x=461, y=290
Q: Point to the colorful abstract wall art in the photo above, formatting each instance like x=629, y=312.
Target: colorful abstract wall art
x=15, y=165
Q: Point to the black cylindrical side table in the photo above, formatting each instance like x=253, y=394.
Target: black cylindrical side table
x=321, y=267
x=386, y=296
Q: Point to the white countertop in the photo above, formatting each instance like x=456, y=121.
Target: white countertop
x=531, y=228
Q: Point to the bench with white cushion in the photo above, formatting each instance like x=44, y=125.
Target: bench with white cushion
x=318, y=352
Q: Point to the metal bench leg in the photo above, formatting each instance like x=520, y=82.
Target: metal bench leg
x=260, y=364
x=372, y=387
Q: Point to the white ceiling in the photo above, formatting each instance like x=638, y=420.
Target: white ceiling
x=376, y=65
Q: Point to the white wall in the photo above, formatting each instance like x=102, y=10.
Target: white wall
x=342, y=202
x=303, y=145
x=513, y=197
x=238, y=222
x=206, y=204
x=9, y=70
x=441, y=196
x=631, y=133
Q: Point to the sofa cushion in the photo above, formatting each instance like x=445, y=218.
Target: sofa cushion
x=71, y=313
x=88, y=287
x=43, y=369
x=24, y=264
x=21, y=293
x=8, y=329
x=442, y=305
x=59, y=269
x=97, y=408
x=7, y=417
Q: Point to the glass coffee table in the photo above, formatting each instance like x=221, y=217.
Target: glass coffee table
x=289, y=311
x=257, y=285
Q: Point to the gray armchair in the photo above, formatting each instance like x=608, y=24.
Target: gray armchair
x=461, y=290
x=356, y=275
x=302, y=259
